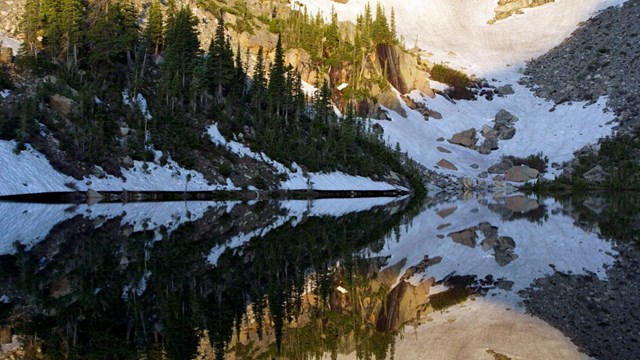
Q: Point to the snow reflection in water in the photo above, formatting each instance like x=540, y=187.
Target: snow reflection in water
x=355, y=271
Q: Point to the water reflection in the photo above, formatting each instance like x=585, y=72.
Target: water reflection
x=290, y=280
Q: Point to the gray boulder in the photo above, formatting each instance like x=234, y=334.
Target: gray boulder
x=505, y=90
x=596, y=175
x=465, y=138
x=501, y=167
x=521, y=174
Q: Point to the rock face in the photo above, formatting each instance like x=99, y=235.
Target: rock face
x=389, y=100
x=465, y=138
x=521, y=174
x=6, y=55
x=601, y=58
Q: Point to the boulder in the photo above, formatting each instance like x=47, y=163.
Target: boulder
x=596, y=175
x=505, y=90
x=443, y=150
x=465, y=138
x=507, y=133
x=488, y=145
x=447, y=165
x=446, y=212
x=521, y=174
x=465, y=237
x=504, y=119
x=501, y=167
x=63, y=105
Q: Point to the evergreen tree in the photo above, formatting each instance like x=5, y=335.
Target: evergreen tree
x=71, y=18
x=31, y=25
x=182, y=48
x=154, y=33
x=220, y=63
x=277, y=84
x=258, y=86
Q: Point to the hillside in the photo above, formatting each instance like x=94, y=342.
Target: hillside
x=473, y=127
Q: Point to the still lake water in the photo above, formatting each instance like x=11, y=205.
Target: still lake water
x=336, y=278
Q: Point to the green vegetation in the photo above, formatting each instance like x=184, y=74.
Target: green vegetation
x=96, y=50
x=456, y=79
x=538, y=161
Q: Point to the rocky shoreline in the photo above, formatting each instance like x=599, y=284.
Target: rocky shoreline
x=602, y=317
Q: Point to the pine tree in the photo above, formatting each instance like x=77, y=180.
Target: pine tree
x=154, y=33
x=182, y=48
x=31, y=25
x=220, y=63
x=258, y=86
x=71, y=18
x=277, y=82
x=394, y=33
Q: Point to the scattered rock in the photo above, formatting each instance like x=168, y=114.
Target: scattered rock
x=443, y=150
x=501, y=167
x=127, y=161
x=465, y=138
x=507, y=133
x=447, y=165
x=505, y=90
x=446, y=212
x=465, y=237
x=521, y=174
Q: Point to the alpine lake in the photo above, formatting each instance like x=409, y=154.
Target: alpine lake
x=478, y=277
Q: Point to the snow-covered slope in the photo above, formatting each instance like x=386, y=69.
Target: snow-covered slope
x=456, y=31
x=557, y=134
x=30, y=172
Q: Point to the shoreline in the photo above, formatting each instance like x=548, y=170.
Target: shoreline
x=93, y=196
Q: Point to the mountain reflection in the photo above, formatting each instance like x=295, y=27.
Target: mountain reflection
x=295, y=280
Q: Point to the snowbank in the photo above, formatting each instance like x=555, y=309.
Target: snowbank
x=556, y=131
x=30, y=172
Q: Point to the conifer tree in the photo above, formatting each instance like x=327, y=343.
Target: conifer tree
x=277, y=82
x=258, y=86
x=182, y=48
x=220, y=63
x=31, y=25
x=154, y=33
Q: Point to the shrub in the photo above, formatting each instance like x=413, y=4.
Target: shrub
x=537, y=161
x=449, y=76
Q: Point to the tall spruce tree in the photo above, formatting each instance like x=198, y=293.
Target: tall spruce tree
x=182, y=48
x=31, y=25
x=154, y=33
x=220, y=63
x=276, y=92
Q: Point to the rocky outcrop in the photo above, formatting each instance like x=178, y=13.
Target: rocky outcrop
x=507, y=8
